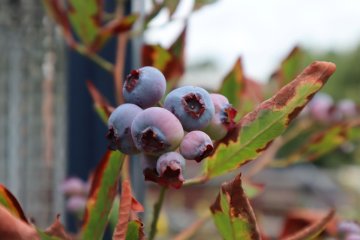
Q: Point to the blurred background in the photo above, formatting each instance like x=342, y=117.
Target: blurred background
x=49, y=130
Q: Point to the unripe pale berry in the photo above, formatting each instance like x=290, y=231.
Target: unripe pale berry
x=196, y=145
x=170, y=167
x=223, y=118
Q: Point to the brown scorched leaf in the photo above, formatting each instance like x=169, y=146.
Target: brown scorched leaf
x=299, y=219
x=313, y=230
x=233, y=214
x=256, y=130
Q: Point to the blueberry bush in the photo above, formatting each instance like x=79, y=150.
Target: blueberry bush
x=169, y=126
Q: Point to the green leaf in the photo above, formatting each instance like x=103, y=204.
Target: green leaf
x=102, y=195
x=233, y=214
x=135, y=230
x=259, y=128
x=8, y=200
x=85, y=17
x=233, y=85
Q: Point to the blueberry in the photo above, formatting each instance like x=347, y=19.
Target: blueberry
x=156, y=131
x=144, y=87
x=191, y=105
x=74, y=186
x=119, y=124
x=347, y=108
x=170, y=167
x=320, y=107
x=223, y=119
x=76, y=204
x=196, y=145
x=348, y=227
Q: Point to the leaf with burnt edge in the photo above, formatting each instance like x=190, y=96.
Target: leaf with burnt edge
x=313, y=230
x=128, y=204
x=102, y=106
x=233, y=214
x=170, y=61
x=86, y=18
x=8, y=200
x=290, y=67
x=256, y=130
x=324, y=142
x=102, y=194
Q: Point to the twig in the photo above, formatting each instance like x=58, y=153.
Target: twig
x=156, y=213
x=119, y=66
x=196, y=180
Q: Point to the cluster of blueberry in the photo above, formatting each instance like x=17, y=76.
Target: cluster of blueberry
x=139, y=126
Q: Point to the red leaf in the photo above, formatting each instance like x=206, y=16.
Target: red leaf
x=14, y=228
x=99, y=99
x=59, y=15
x=8, y=200
x=127, y=204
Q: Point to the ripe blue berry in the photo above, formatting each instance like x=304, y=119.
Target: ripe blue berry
x=119, y=124
x=144, y=87
x=223, y=118
x=196, y=145
x=320, y=107
x=170, y=167
x=156, y=131
x=191, y=105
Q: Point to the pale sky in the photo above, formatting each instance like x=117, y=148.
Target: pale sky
x=262, y=32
